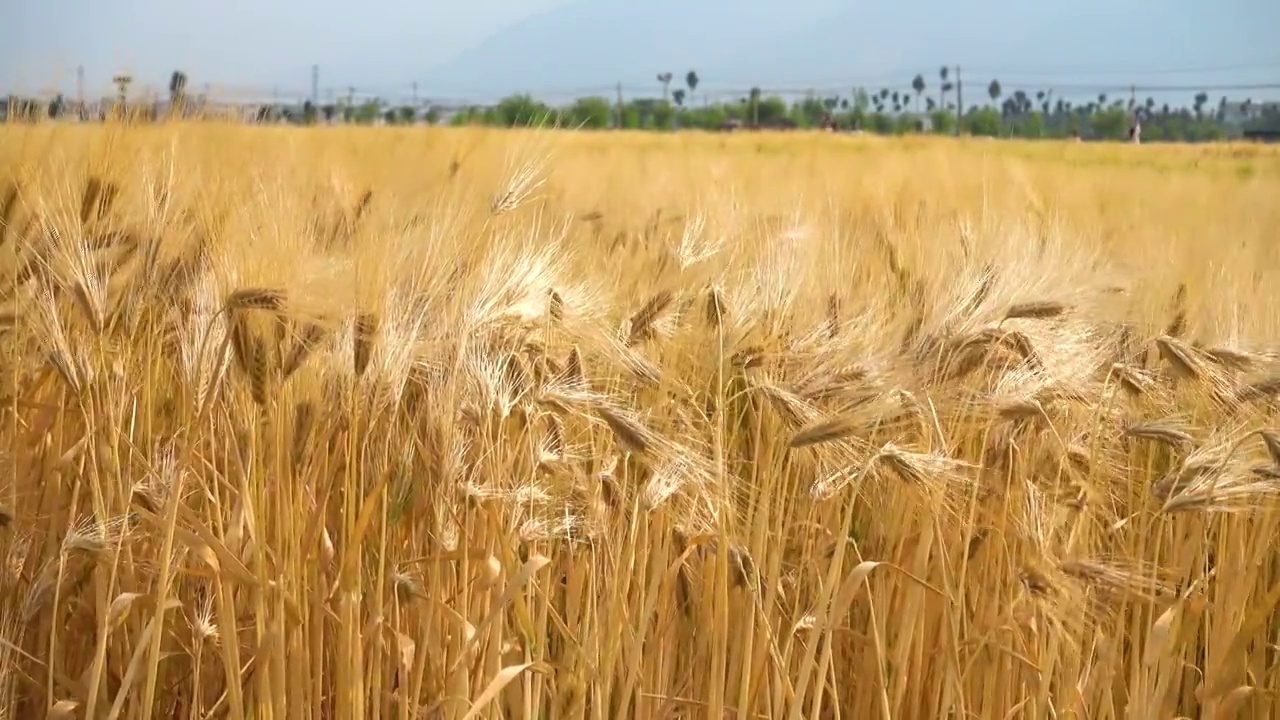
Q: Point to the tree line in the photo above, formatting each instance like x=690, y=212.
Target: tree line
x=918, y=109
x=890, y=112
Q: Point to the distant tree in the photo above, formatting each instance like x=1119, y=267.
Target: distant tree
x=945, y=87
x=366, y=112
x=308, y=113
x=773, y=110
x=994, y=90
x=918, y=85
x=677, y=95
x=861, y=100
x=982, y=121
x=1111, y=123
x=754, y=99
x=884, y=93
x=520, y=111
x=691, y=80
x=1033, y=126
x=1021, y=103
x=1200, y=99
x=1102, y=99
x=930, y=104
x=406, y=114
x=943, y=122
x=56, y=106
x=665, y=78
x=590, y=112
x=329, y=111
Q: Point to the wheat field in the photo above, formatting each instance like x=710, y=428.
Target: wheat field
x=377, y=423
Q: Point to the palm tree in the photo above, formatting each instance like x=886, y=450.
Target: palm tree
x=1200, y=99
x=691, y=79
x=994, y=90
x=665, y=78
x=945, y=87
x=678, y=96
x=1021, y=103
x=918, y=85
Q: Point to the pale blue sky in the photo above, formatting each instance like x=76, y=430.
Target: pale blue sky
x=241, y=42
x=478, y=49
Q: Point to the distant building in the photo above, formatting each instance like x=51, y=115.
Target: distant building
x=1240, y=113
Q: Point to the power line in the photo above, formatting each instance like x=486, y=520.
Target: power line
x=1025, y=80
x=1130, y=71
x=1006, y=88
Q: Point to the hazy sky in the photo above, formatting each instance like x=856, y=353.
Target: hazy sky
x=382, y=46
x=241, y=42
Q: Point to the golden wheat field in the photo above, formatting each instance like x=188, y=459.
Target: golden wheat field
x=377, y=423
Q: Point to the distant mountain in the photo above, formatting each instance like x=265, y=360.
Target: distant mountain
x=589, y=45
x=586, y=46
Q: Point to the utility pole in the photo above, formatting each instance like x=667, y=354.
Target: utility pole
x=315, y=84
x=122, y=82
x=959, y=101
x=618, y=125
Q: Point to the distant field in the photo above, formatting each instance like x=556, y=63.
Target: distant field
x=377, y=423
